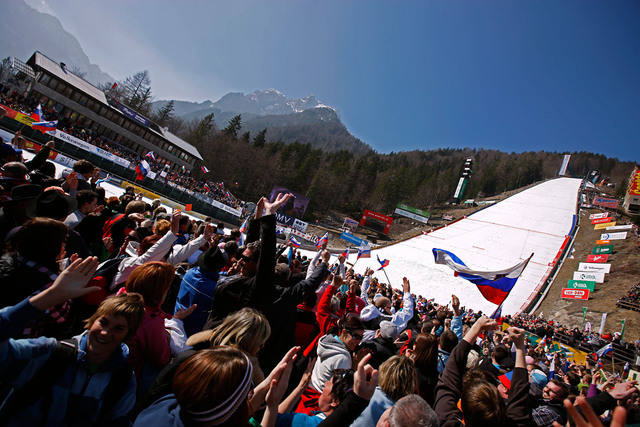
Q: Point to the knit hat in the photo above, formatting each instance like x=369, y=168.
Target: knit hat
x=388, y=330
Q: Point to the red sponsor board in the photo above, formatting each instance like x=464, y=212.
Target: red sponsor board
x=606, y=202
x=376, y=221
x=597, y=258
x=600, y=220
x=634, y=183
x=575, y=293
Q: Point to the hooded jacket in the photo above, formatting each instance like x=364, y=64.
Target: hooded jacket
x=77, y=395
x=332, y=354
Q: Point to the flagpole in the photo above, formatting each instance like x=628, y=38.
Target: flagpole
x=385, y=274
x=354, y=264
x=613, y=365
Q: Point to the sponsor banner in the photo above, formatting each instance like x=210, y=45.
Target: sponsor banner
x=586, y=266
x=634, y=183
x=350, y=224
x=604, y=225
x=606, y=202
x=418, y=212
x=565, y=164
x=37, y=147
x=575, y=293
x=599, y=215
x=206, y=199
x=596, y=276
x=613, y=236
x=411, y=215
x=376, y=221
x=582, y=284
x=288, y=231
x=447, y=217
x=353, y=239
x=295, y=207
x=620, y=227
x=600, y=220
x=90, y=148
x=290, y=221
x=132, y=114
x=18, y=116
x=606, y=249
x=598, y=258
x=603, y=242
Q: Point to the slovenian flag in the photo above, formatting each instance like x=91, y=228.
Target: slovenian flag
x=384, y=263
x=321, y=241
x=604, y=351
x=345, y=254
x=142, y=170
x=364, y=252
x=493, y=285
x=206, y=187
x=204, y=169
x=552, y=369
x=294, y=242
x=543, y=341
x=37, y=114
x=151, y=155
x=44, y=126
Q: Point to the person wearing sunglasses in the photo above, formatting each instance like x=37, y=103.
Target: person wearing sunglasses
x=335, y=351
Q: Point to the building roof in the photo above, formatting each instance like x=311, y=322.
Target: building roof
x=41, y=61
x=184, y=145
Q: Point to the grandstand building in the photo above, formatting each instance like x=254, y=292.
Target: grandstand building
x=631, y=202
x=79, y=101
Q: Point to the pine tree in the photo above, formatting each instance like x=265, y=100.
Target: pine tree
x=234, y=126
x=261, y=138
x=165, y=114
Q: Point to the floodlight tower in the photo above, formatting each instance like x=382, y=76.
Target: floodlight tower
x=465, y=174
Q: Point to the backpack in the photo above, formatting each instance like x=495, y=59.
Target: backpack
x=42, y=382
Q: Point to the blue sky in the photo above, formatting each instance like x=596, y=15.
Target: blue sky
x=507, y=75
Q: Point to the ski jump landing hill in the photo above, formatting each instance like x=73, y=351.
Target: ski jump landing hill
x=539, y=220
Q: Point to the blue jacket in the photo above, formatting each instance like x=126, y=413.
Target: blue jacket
x=77, y=395
x=379, y=403
x=165, y=412
x=197, y=287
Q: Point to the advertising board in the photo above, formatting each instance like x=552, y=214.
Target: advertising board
x=595, y=276
x=413, y=213
x=599, y=215
x=598, y=258
x=634, y=183
x=575, y=293
x=582, y=284
x=376, y=221
x=605, y=249
x=613, y=236
x=600, y=220
x=350, y=224
x=606, y=202
x=604, y=225
x=585, y=266
x=620, y=227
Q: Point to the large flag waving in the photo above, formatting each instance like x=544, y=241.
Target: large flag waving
x=44, y=126
x=142, y=170
x=493, y=285
x=383, y=263
x=364, y=252
x=321, y=241
x=37, y=115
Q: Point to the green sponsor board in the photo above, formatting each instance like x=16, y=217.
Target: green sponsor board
x=413, y=210
x=604, y=249
x=582, y=284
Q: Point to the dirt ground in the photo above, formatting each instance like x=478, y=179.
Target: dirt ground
x=625, y=273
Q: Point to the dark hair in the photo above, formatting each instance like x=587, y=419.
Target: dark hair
x=425, y=352
x=342, y=383
x=83, y=166
x=564, y=389
x=255, y=247
x=482, y=404
x=147, y=242
x=501, y=352
x=41, y=240
x=448, y=340
x=350, y=323
x=85, y=196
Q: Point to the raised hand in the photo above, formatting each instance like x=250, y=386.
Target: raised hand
x=280, y=200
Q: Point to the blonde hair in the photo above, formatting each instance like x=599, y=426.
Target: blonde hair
x=129, y=305
x=398, y=377
x=246, y=330
x=161, y=227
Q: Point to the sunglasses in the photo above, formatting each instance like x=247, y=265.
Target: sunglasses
x=355, y=336
x=246, y=258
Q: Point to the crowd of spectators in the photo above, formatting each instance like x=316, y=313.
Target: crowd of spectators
x=632, y=297
x=215, y=190
x=115, y=311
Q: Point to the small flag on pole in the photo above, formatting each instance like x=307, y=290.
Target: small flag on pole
x=364, y=252
x=151, y=155
x=44, y=126
x=604, y=351
x=321, y=241
x=37, y=114
x=204, y=169
x=294, y=242
x=384, y=263
x=345, y=254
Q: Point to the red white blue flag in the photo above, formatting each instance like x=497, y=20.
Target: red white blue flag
x=142, y=170
x=44, y=126
x=383, y=263
x=37, y=114
x=345, y=254
x=294, y=242
x=321, y=241
x=151, y=155
x=204, y=169
x=364, y=252
x=493, y=285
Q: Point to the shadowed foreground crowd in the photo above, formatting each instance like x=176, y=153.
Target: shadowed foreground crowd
x=116, y=312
